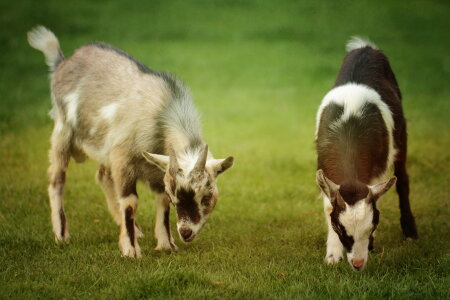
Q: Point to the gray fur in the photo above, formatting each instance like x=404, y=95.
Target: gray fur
x=113, y=109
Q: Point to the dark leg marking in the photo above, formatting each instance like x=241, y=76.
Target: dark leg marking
x=371, y=239
x=167, y=226
x=101, y=173
x=62, y=216
x=129, y=223
x=58, y=182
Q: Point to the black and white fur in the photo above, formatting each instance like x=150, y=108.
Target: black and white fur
x=360, y=134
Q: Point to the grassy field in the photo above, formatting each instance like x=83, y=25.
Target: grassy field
x=257, y=70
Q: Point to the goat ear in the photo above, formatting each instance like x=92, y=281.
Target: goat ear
x=379, y=189
x=218, y=166
x=161, y=161
x=328, y=187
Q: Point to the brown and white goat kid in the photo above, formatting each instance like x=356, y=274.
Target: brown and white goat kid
x=360, y=134
x=138, y=124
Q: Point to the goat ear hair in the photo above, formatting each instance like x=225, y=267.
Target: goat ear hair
x=326, y=185
x=379, y=189
x=219, y=166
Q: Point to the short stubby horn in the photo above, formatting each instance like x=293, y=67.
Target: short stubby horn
x=173, y=162
x=201, y=162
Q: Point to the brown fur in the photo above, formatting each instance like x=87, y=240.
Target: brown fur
x=356, y=153
x=372, y=68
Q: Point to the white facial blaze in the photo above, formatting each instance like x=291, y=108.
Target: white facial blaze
x=199, y=188
x=357, y=221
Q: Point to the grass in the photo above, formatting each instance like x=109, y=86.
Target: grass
x=257, y=70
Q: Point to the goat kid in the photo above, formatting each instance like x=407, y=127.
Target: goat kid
x=138, y=124
x=360, y=134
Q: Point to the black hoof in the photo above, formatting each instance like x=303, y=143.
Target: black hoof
x=409, y=228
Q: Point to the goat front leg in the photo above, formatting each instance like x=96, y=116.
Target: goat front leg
x=105, y=181
x=128, y=242
x=125, y=186
x=334, y=245
x=162, y=226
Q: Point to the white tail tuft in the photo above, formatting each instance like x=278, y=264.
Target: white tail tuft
x=357, y=42
x=44, y=40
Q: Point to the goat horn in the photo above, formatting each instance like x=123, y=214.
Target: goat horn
x=201, y=162
x=173, y=162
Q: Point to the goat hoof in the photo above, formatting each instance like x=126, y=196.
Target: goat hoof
x=411, y=235
x=132, y=252
x=62, y=239
x=332, y=259
x=409, y=227
x=129, y=251
x=167, y=246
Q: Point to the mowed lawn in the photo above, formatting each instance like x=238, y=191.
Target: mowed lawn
x=258, y=71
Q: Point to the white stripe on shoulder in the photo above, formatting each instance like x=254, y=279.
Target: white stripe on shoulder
x=352, y=97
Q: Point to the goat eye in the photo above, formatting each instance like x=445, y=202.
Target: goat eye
x=206, y=199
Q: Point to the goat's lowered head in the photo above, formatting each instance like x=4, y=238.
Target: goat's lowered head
x=354, y=215
x=191, y=186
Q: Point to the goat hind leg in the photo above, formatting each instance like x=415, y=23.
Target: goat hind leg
x=59, y=159
x=406, y=217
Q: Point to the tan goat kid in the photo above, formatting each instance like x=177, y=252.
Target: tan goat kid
x=138, y=124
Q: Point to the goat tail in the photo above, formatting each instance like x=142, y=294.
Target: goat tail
x=44, y=40
x=357, y=42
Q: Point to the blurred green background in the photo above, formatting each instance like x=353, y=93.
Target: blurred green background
x=258, y=71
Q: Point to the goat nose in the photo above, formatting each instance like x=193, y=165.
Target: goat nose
x=358, y=263
x=185, y=233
